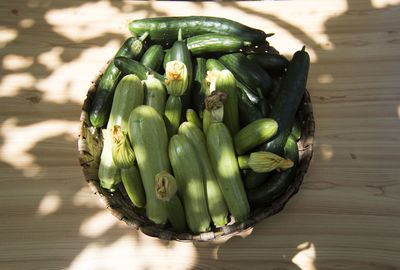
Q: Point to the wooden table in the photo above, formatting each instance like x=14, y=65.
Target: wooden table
x=346, y=215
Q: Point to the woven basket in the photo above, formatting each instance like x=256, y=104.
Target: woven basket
x=90, y=143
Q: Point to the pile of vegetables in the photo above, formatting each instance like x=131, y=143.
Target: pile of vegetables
x=198, y=127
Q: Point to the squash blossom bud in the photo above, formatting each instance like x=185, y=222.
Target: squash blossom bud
x=177, y=78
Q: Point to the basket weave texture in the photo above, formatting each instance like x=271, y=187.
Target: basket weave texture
x=90, y=143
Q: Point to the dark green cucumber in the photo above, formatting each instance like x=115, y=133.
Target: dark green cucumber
x=285, y=106
x=279, y=181
x=215, y=43
x=165, y=28
x=180, y=52
x=199, y=86
x=248, y=110
x=167, y=57
x=101, y=104
x=129, y=66
x=153, y=57
x=272, y=63
x=246, y=72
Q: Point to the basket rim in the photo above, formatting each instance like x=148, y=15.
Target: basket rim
x=147, y=227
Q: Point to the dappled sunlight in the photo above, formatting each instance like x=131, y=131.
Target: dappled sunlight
x=11, y=84
x=16, y=147
x=97, y=224
x=398, y=111
x=50, y=203
x=15, y=62
x=141, y=252
x=326, y=151
x=79, y=17
x=7, y=35
x=84, y=198
x=72, y=78
x=325, y=78
x=306, y=257
x=384, y=3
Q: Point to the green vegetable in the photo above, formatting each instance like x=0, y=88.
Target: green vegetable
x=155, y=94
x=272, y=63
x=173, y=111
x=285, y=106
x=190, y=179
x=167, y=57
x=212, y=43
x=199, y=85
x=149, y=138
x=166, y=189
x=226, y=83
x=128, y=95
x=255, y=134
x=264, y=162
x=223, y=159
x=153, y=57
x=101, y=104
x=279, y=181
x=296, y=131
x=133, y=185
x=165, y=28
x=192, y=117
x=129, y=66
x=215, y=200
x=122, y=152
x=246, y=72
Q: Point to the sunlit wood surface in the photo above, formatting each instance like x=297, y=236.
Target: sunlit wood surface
x=347, y=213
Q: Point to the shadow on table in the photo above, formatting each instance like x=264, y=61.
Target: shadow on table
x=47, y=194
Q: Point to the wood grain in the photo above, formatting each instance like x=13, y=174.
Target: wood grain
x=346, y=215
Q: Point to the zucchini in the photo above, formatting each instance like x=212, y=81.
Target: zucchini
x=165, y=28
x=130, y=66
x=173, y=111
x=199, y=85
x=215, y=43
x=167, y=57
x=255, y=134
x=246, y=72
x=223, y=159
x=155, y=94
x=296, y=131
x=247, y=101
x=285, y=106
x=226, y=83
x=153, y=57
x=179, y=52
x=215, y=199
x=166, y=189
x=278, y=183
x=270, y=62
x=188, y=173
x=133, y=185
x=128, y=89
x=101, y=104
x=149, y=138
x=192, y=117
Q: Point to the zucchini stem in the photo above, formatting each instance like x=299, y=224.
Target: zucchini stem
x=144, y=36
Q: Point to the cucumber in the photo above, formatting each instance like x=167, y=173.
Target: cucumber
x=215, y=43
x=279, y=181
x=246, y=72
x=133, y=185
x=149, y=138
x=130, y=66
x=165, y=28
x=272, y=63
x=191, y=184
x=199, y=85
x=167, y=57
x=153, y=57
x=285, y=106
x=225, y=165
x=101, y=104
